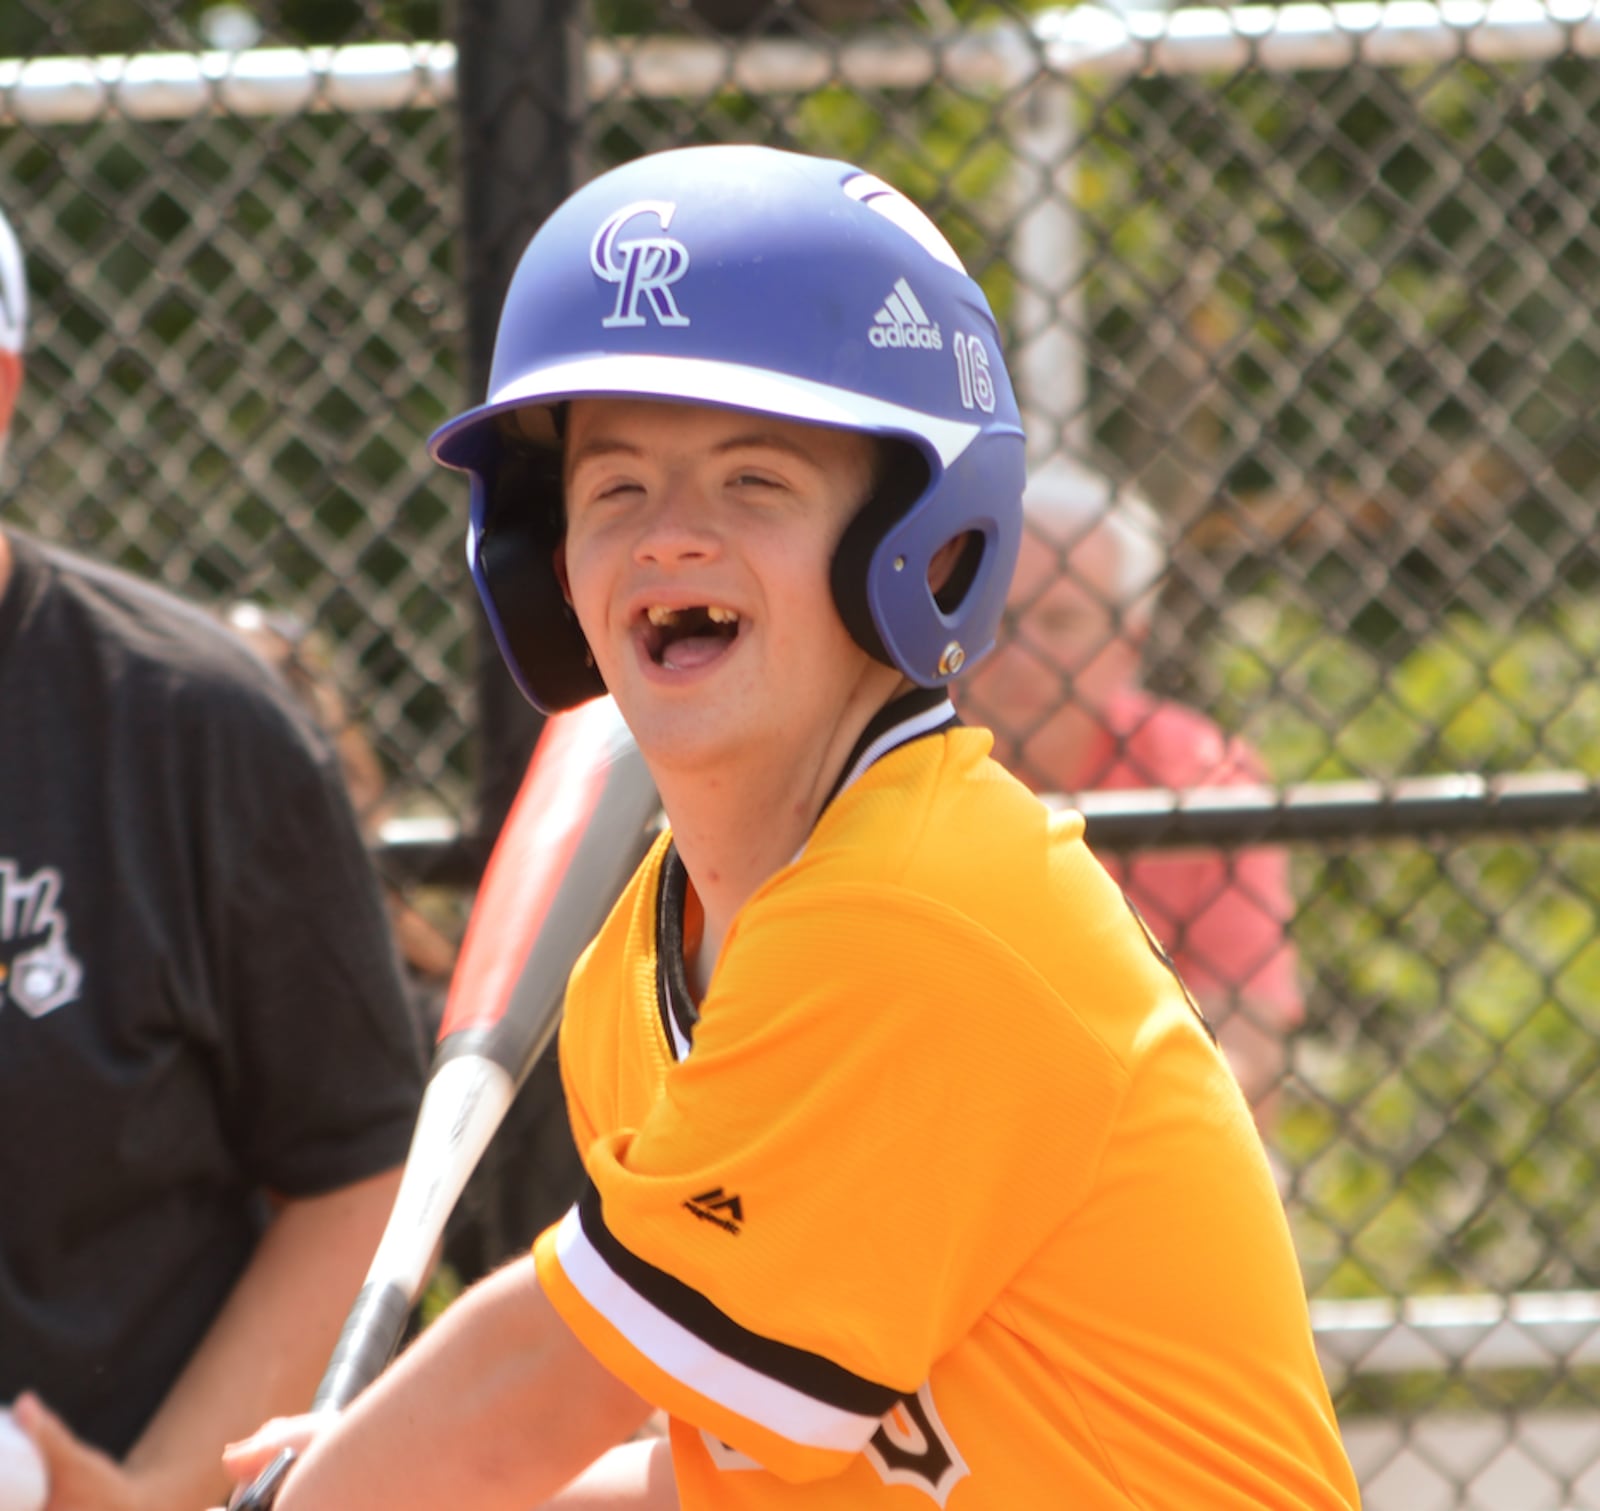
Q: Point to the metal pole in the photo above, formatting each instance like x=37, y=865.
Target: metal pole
x=1457, y=806
x=520, y=101
x=1050, y=366
x=519, y=93
x=1411, y=808
x=1090, y=41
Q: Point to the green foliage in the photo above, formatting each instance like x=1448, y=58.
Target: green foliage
x=444, y=1287
x=1349, y=252
x=1447, y=1135
x=1467, y=697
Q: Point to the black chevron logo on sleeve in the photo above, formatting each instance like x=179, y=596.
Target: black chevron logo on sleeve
x=717, y=1206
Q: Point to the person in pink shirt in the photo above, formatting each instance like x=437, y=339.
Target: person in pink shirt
x=1063, y=696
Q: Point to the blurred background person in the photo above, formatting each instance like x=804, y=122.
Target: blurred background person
x=1062, y=693
x=208, y=1069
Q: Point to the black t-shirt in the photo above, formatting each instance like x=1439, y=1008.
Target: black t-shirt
x=200, y=1000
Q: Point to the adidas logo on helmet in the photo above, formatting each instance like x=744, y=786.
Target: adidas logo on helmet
x=902, y=322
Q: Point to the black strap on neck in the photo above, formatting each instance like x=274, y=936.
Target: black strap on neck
x=674, y=996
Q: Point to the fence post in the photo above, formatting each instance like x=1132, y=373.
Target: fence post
x=520, y=98
x=1052, y=381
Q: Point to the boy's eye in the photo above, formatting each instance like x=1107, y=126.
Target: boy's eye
x=614, y=489
x=756, y=480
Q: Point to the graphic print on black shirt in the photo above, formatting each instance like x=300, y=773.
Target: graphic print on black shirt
x=38, y=972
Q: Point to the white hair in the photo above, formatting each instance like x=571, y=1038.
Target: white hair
x=13, y=291
x=1063, y=502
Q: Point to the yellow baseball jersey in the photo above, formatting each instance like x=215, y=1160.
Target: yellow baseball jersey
x=943, y=1194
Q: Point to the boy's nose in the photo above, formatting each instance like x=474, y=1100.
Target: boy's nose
x=677, y=527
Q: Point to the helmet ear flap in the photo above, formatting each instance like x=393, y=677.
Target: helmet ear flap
x=902, y=476
x=515, y=569
x=880, y=573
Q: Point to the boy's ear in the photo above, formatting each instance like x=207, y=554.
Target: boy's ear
x=944, y=562
x=953, y=568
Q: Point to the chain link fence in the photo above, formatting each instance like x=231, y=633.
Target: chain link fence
x=1316, y=284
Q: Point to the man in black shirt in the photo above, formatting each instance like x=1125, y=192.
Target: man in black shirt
x=208, y=1068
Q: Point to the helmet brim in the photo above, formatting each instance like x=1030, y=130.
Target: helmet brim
x=690, y=380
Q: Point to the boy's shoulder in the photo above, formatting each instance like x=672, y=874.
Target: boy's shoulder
x=936, y=814
x=937, y=840
x=946, y=871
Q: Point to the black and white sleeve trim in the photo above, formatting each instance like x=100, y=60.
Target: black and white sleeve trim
x=798, y=1395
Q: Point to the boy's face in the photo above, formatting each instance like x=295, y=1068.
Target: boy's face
x=696, y=558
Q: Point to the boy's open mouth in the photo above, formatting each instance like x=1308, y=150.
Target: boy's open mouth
x=688, y=637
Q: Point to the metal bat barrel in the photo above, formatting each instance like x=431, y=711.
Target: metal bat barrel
x=580, y=824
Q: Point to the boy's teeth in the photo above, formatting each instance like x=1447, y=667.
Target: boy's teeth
x=659, y=614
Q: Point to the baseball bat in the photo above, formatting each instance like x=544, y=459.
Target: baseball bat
x=580, y=824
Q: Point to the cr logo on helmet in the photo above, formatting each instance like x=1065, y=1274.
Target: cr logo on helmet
x=641, y=267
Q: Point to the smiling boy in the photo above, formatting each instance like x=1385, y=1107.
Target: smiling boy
x=915, y=1177
x=697, y=555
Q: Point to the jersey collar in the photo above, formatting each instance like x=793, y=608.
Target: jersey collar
x=912, y=716
x=922, y=711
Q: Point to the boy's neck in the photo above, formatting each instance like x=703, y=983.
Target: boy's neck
x=743, y=822
x=732, y=836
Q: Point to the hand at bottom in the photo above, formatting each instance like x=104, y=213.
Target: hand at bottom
x=81, y=1477
x=245, y=1460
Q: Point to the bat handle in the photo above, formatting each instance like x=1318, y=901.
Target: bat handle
x=262, y=1491
x=371, y=1335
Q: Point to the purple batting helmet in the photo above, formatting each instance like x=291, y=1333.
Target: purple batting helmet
x=771, y=282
